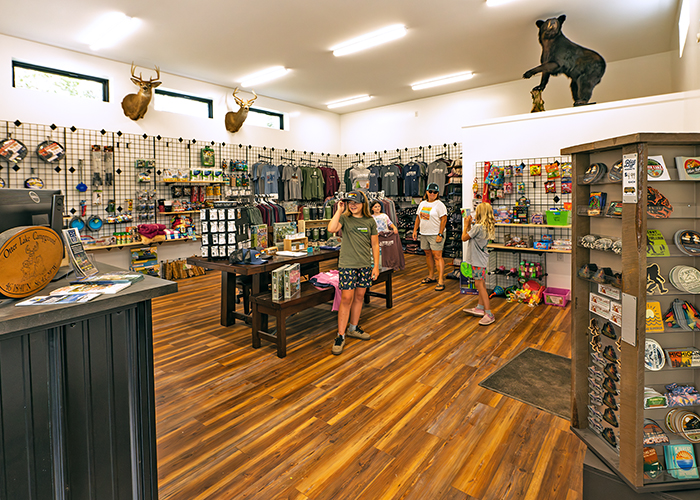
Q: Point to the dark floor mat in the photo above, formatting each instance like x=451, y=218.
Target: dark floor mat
x=537, y=378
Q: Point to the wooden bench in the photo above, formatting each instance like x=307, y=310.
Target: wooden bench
x=310, y=297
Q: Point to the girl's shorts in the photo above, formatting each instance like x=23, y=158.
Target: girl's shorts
x=355, y=278
x=478, y=273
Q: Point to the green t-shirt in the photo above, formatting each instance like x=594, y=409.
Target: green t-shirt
x=356, y=247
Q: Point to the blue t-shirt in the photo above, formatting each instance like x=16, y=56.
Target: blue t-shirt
x=269, y=177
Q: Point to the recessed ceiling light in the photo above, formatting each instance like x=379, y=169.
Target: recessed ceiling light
x=349, y=101
x=458, y=77
x=108, y=30
x=370, y=40
x=264, y=76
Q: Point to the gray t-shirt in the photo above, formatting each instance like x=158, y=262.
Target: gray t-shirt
x=437, y=171
x=390, y=180
x=291, y=175
x=477, y=255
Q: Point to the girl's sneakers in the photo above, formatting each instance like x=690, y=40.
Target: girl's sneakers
x=474, y=311
x=487, y=319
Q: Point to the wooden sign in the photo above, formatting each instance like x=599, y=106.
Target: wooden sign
x=29, y=259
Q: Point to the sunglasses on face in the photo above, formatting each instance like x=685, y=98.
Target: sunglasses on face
x=432, y=192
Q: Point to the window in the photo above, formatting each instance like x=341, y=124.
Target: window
x=264, y=118
x=174, y=102
x=56, y=81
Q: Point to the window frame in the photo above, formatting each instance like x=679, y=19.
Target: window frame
x=59, y=72
x=203, y=100
x=270, y=113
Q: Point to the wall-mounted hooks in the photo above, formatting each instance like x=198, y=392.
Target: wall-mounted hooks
x=212, y=143
x=158, y=137
x=54, y=127
x=145, y=136
x=17, y=123
x=73, y=129
x=250, y=146
x=194, y=141
x=180, y=139
x=240, y=145
x=223, y=144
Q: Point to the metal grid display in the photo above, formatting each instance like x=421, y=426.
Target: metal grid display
x=427, y=154
x=540, y=201
x=106, y=162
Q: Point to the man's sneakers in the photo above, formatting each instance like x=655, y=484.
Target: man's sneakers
x=357, y=333
x=487, y=320
x=338, y=345
x=474, y=311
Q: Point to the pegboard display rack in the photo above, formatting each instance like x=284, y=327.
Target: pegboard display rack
x=539, y=202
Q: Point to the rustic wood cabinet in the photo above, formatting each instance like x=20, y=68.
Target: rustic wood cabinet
x=626, y=459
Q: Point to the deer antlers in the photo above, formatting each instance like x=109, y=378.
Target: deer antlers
x=140, y=78
x=241, y=102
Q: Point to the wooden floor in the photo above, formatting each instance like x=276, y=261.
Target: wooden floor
x=399, y=416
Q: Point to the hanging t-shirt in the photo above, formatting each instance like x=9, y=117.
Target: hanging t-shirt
x=430, y=214
x=292, y=181
x=437, y=171
x=411, y=179
x=313, y=184
x=390, y=180
x=374, y=175
x=360, y=178
x=269, y=176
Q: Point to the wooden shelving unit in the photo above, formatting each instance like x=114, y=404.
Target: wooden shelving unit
x=524, y=249
x=627, y=459
x=533, y=225
x=91, y=248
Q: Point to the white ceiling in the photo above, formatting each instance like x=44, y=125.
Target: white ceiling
x=221, y=41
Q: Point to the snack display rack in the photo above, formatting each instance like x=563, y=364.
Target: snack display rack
x=609, y=314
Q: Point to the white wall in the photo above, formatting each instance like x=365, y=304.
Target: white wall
x=545, y=134
x=437, y=120
x=310, y=129
x=686, y=70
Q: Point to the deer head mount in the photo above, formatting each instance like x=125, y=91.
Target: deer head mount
x=234, y=121
x=136, y=105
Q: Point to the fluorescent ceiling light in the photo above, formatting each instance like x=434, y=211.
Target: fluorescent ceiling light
x=496, y=3
x=370, y=40
x=349, y=101
x=459, y=77
x=109, y=29
x=683, y=26
x=264, y=76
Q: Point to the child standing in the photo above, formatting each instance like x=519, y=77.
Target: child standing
x=358, y=263
x=477, y=235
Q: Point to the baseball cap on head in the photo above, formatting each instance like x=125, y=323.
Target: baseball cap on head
x=433, y=187
x=355, y=196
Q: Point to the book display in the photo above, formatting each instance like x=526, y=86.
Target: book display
x=635, y=321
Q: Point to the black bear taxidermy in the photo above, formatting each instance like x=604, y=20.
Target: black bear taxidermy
x=560, y=55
